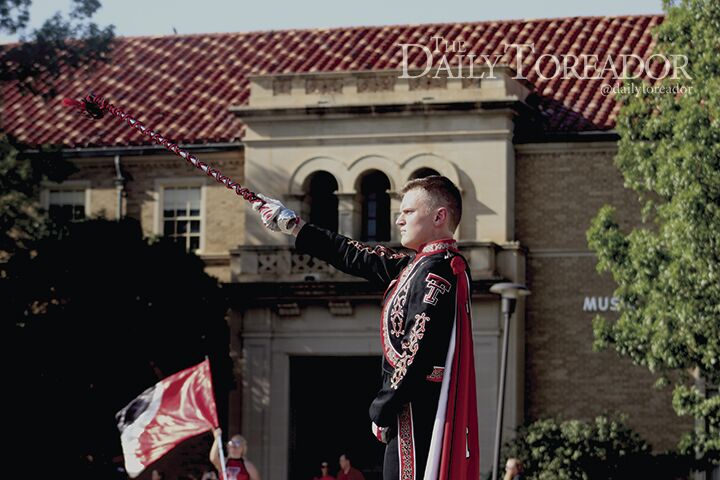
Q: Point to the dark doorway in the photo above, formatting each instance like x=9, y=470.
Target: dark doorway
x=329, y=400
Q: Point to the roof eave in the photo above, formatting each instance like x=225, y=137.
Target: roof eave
x=139, y=150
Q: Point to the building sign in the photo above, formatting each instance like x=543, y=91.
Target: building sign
x=600, y=304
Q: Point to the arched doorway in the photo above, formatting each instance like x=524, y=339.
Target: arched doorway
x=320, y=204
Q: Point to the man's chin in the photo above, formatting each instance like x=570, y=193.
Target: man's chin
x=408, y=244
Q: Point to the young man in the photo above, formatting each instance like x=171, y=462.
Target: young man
x=347, y=471
x=426, y=411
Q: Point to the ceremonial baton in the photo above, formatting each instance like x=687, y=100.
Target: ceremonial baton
x=96, y=107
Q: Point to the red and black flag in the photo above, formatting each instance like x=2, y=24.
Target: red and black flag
x=176, y=408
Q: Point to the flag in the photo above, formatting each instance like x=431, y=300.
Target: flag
x=176, y=408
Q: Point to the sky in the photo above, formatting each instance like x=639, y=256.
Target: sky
x=160, y=17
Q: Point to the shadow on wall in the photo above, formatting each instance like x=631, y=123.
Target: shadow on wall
x=471, y=204
x=260, y=237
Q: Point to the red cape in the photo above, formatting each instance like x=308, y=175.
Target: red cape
x=460, y=455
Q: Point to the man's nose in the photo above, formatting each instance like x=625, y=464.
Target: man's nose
x=400, y=221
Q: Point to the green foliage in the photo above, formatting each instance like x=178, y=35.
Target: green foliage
x=14, y=15
x=668, y=271
x=95, y=318
x=60, y=42
x=22, y=221
x=602, y=449
x=32, y=66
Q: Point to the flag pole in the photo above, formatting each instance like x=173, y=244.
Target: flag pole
x=218, y=437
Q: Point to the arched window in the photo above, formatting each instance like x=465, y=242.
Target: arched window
x=320, y=204
x=374, y=188
x=422, y=173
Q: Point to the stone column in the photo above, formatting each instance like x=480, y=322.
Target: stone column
x=256, y=380
x=349, y=211
x=395, y=201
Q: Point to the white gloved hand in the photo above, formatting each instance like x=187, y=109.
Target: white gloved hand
x=381, y=433
x=276, y=216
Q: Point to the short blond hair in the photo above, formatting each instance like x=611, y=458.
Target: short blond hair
x=443, y=193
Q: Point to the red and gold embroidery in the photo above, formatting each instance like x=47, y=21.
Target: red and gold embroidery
x=394, y=317
x=397, y=311
x=438, y=246
x=410, y=349
x=436, y=375
x=406, y=443
x=379, y=250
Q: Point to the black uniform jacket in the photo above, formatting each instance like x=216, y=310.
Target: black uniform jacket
x=417, y=317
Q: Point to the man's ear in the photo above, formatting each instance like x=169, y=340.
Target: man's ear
x=441, y=216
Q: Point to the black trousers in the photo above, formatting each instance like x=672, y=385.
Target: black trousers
x=412, y=434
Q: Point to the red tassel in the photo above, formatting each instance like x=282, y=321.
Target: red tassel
x=71, y=102
x=458, y=265
x=87, y=106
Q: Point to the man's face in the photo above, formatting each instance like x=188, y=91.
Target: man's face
x=511, y=467
x=415, y=219
x=343, y=462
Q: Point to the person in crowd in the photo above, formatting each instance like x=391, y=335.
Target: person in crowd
x=324, y=472
x=347, y=471
x=514, y=470
x=237, y=466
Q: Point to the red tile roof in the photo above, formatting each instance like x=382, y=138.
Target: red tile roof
x=182, y=85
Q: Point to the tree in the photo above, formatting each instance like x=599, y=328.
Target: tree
x=603, y=449
x=668, y=271
x=59, y=43
x=101, y=315
x=97, y=313
x=31, y=65
x=22, y=221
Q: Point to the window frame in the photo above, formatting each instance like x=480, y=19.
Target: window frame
x=180, y=182
x=67, y=185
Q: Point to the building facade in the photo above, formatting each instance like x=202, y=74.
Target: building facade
x=326, y=121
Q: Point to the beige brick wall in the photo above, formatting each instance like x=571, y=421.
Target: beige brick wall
x=558, y=191
x=100, y=172
x=224, y=212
